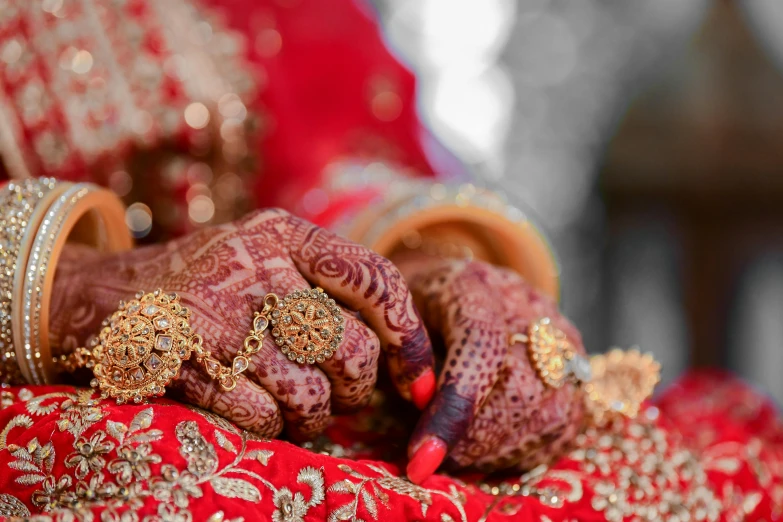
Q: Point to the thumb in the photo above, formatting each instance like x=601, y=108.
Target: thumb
x=473, y=324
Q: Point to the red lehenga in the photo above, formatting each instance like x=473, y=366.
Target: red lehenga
x=709, y=449
x=297, y=90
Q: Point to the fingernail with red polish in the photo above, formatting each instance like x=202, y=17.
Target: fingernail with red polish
x=426, y=460
x=423, y=388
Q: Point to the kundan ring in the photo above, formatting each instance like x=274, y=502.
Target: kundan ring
x=552, y=354
x=306, y=325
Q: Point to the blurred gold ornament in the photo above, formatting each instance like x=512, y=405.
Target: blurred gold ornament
x=622, y=381
x=617, y=382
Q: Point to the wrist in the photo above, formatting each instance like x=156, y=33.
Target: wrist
x=76, y=312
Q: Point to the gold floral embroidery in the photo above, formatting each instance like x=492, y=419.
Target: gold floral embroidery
x=10, y=506
x=133, y=463
x=634, y=471
x=6, y=399
x=369, y=498
x=89, y=454
x=640, y=473
x=37, y=405
x=79, y=412
x=200, y=454
x=629, y=470
x=18, y=421
x=176, y=487
x=54, y=493
x=112, y=467
x=292, y=507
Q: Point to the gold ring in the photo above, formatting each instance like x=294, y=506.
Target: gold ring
x=306, y=325
x=552, y=354
x=616, y=383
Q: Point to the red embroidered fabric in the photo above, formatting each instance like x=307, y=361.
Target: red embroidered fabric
x=710, y=448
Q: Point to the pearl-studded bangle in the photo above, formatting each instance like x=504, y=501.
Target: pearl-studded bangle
x=18, y=220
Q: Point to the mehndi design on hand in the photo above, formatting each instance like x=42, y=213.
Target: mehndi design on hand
x=491, y=409
x=222, y=275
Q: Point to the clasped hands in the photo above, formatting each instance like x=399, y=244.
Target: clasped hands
x=485, y=409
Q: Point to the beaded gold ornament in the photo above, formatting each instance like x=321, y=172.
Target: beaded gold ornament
x=615, y=383
x=552, y=355
x=622, y=381
x=307, y=325
x=141, y=348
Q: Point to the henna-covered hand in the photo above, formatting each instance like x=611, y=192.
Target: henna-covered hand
x=491, y=411
x=222, y=274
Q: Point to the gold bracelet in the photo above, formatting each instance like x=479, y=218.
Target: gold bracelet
x=96, y=213
x=18, y=220
x=512, y=238
x=142, y=346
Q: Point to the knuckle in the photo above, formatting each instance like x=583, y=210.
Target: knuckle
x=361, y=360
x=390, y=269
x=264, y=417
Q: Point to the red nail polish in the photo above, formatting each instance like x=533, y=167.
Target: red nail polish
x=426, y=460
x=423, y=388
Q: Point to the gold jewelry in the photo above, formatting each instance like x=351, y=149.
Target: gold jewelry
x=615, y=383
x=18, y=220
x=552, y=355
x=141, y=348
x=307, y=325
x=82, y=209
x=508, y=236
x=250, y=347
x=622, y=381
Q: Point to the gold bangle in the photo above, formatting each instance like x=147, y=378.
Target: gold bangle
x=513, y=239
x=104, y=214
x=18, y=220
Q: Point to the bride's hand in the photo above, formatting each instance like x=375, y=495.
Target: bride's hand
x=490, y=411
x=222, y=274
